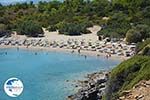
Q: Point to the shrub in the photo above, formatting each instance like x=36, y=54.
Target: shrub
x=30, y=28
x=146, y=51
x=142, y=45
x=4, y=31
x=116, y=26
x=138, y=33
x=133, y=36
x=127, y=74
x=52, y=28
x=72, y=28
x=144, y=30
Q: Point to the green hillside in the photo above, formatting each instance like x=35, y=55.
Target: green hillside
x=72, y=17
x=130, y=72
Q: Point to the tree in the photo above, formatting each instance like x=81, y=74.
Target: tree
x=1, y=5
x=116, y=26
x=142, y=45
x=52, y=28
x=144, y=30
x=72, y=28
x=30, y=28
x=101, y=6
x=133, y=36
x=146, y=50
x=4, y=31
x=31, y=3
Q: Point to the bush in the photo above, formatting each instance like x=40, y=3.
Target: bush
x=116, y=27
x=72, y=28
x=87, y=24
x=133, y=36
x=30, y=28
x=141, y=45
x=108, y=33
x=52, y=28
x=138, y=33
x=4, y=31
x=127, y=74
x=144, y=30
x=86, y=31
x=146, y=50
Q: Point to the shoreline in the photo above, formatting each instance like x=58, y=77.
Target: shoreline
x=92, y=87
x=83, y=52
x=82, y=87
x=93, y=84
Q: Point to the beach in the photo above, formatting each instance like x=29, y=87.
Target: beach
x=82, y=53
x=52, y=74
x=75, y=49
x=87, y=44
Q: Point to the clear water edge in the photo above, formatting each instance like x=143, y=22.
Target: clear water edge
x=44, y=74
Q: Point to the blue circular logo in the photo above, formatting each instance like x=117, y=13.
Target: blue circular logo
x=13, y=87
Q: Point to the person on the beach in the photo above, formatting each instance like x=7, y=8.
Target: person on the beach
x=72, y=51
x=79, y=51
x=107, y=56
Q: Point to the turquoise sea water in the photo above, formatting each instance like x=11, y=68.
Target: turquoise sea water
x=44, y=74
x=7, y=2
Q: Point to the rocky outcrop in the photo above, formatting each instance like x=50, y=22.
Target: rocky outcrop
x=141, y=91
x=91, y=89
x=126, y=75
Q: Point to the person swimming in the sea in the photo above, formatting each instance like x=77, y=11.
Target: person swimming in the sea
x=85, y=56
x=35, y=53
x=17, y=48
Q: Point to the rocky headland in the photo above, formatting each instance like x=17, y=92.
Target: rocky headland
x=92, y=88
x=140, y=91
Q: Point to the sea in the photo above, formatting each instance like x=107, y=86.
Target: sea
x=8, y=2
x=47, y=75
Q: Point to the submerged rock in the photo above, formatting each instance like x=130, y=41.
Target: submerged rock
x=91, y=89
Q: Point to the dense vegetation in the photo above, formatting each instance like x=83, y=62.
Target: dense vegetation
x=142, y=45
x=130, y=72
x=124, y=18
x=4, y=31
x=30, y=28
x=138, y=33
x=74, y=16
x=127, y=74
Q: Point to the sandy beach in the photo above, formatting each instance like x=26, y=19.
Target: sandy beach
x=83, y=52
x=87, y=44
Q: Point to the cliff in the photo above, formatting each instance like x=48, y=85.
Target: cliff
x=127, y=74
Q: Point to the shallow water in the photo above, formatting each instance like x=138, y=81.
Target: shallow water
x=7, y=2
x=44, y=75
